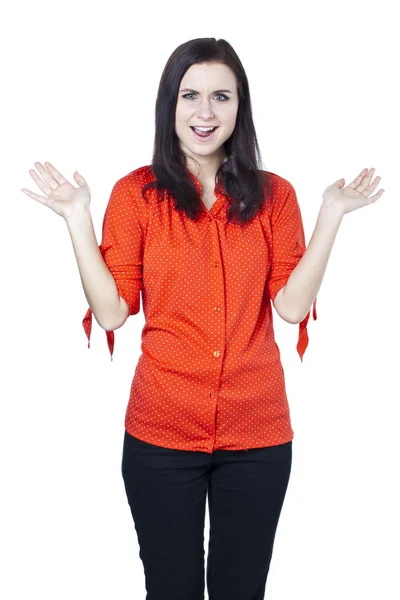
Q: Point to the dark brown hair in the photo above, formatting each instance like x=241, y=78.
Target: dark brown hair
x=240, y=177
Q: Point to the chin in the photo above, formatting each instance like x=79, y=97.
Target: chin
x=203, y=149
x=199, y=149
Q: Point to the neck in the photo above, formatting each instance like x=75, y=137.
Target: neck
x=205, y=168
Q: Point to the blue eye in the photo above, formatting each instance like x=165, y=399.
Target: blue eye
x=192, y=94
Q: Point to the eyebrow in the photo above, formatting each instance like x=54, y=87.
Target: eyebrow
x=215, y=91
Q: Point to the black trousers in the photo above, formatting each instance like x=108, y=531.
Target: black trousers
x=167, y=490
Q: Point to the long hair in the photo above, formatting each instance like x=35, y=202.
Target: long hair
x=240, y=177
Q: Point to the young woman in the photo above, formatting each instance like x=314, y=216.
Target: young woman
x=210, y=240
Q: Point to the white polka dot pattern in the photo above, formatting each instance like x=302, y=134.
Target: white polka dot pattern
x=209, y=376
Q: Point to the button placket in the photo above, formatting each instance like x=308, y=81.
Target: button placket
x=218, y=295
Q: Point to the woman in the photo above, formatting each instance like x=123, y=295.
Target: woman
x=210, y=240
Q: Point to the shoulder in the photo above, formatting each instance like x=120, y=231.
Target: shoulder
x=280, y=186
x=281, y=194
x=131, y=185
x=136, y=179
x=127, y=197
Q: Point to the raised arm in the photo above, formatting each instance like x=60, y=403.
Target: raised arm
x=99, y=286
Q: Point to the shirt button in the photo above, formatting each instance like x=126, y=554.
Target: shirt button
x=216, y=353
x=217, y=308
x=216, y=263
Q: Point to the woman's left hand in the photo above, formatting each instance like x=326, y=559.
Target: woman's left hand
x=356, y=195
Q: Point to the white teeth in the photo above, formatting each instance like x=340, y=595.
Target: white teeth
x=204, y=128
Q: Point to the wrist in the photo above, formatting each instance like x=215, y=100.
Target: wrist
x=81, y=213
x=331, y=212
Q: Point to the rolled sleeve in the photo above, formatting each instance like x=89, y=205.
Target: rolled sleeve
x=288, y=247
x=122, y=250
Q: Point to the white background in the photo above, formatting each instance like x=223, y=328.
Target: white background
x=80, y=88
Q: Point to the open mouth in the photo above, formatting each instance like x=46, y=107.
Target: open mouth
x=204, y=133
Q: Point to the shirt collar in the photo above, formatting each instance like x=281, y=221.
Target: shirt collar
x=221, y=198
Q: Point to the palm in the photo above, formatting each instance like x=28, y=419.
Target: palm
x=60, y=195
x=66, y=193
x=356, y=195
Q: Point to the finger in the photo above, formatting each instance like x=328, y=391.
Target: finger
x=56, y=174
x=375, y=197
x=358, y=179
x=41, y=199
x=372, y=186
x=366, y=181
x=49, y=179
x=40, y=183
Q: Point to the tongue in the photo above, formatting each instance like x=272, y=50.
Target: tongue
x=203, y=133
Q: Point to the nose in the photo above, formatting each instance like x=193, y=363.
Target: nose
x=205, y=110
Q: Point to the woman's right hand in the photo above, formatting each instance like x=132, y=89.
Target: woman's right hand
x=61, y=196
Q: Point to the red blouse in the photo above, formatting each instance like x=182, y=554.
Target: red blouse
x=209, y=376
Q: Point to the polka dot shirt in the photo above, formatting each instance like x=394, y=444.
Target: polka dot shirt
x=209, y=376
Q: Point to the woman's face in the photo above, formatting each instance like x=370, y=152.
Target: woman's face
x=207, y=97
